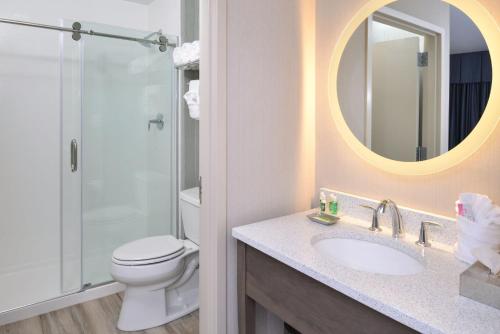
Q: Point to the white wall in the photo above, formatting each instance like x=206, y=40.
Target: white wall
x=165, y=15
x=131, y=15
x=383, y=32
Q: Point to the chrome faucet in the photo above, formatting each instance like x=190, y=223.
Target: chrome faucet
x=398, y=228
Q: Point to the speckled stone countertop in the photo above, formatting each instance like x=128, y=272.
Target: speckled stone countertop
x=428, y=302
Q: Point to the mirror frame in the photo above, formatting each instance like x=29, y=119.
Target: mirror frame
x=488, y=123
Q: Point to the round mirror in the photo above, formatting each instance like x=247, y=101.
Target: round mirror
x=414, y=79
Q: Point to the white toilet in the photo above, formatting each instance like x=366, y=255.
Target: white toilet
x=160, y=273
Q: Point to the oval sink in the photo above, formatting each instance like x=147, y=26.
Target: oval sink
x=368, y=256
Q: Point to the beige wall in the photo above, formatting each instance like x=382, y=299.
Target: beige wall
x=270, y=116
x=282, y=141
x=339, y=168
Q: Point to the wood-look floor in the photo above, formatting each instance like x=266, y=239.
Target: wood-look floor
x=93, y=317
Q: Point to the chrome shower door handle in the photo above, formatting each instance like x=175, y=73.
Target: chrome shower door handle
x=74, y=155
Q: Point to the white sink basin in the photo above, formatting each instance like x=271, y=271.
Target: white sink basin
x=367, y=256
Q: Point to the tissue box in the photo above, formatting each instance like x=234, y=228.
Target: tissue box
x=478, y=284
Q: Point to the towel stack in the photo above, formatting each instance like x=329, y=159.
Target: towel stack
x=187, y=53
x=192, y=98
x=479, y=226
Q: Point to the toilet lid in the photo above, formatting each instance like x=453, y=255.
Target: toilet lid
x=152, y=248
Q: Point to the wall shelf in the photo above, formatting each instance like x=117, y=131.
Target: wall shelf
x=193, y=66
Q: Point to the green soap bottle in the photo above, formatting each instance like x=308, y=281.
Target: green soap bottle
x=333, y=205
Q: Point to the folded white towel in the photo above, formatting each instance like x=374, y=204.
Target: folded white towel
x=465, y=245
x=192, y=98
x=194, y=86
x=486, y=233
x=187, y=53
x=481, y=207
x=478, y=222
x=463, y=253
x=194, y=111
x=473, y=198
x=492, y=217
x=489, y=257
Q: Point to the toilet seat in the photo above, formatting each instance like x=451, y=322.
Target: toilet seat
x=148, y=251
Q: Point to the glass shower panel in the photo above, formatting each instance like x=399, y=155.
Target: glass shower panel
x=128, y=169
x=30, y=200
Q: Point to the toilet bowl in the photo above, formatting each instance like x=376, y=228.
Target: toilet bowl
x=160, y=273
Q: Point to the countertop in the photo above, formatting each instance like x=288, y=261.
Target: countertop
x=428, y=302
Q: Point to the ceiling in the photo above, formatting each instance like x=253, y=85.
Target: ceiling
x=464, y=36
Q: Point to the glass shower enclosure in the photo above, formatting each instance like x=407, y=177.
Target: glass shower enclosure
x=128, y=165
x=115, y=137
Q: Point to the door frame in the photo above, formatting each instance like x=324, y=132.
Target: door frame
x=213, y=166
x=443, y=71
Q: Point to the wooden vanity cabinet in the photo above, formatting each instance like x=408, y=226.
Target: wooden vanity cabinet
x=304, y=303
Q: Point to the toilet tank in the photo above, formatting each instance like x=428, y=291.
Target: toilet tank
x=190, y=213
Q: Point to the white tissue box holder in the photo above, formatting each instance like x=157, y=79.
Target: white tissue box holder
x=478, y=284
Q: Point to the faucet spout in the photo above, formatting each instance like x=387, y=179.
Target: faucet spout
x=398, y=227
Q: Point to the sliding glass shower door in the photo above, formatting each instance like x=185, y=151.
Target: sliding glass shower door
x=88, y=146
x=128, y=146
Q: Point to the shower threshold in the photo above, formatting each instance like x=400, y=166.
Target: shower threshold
x=88, y=292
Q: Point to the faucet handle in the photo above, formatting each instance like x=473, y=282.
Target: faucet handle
x=375, y=225
x=423, y=239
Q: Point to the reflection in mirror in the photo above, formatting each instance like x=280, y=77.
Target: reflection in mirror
x=414, y=79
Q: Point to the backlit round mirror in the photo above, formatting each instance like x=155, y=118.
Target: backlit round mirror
x=414, y=79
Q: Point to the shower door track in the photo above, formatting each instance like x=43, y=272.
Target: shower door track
x=76, y=30
x=60, y=302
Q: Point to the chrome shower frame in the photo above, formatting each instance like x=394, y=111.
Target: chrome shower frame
x=76, y=29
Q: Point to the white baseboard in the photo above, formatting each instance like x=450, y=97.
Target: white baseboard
x=60, y=302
